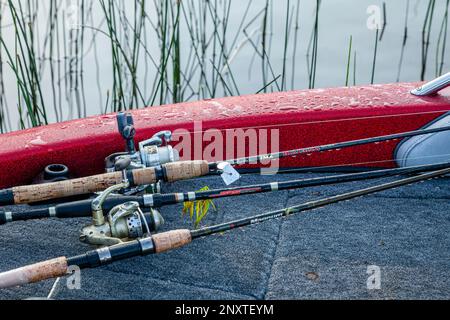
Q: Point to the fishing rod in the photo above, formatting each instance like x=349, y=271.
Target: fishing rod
x=83, y=208
x=175, y=171
x=335, y=146
x=175, y=239
x=170, y=172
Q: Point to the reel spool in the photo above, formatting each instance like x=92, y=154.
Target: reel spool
x=157, y=151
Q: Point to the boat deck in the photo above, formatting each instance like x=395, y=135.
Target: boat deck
x=323, y=254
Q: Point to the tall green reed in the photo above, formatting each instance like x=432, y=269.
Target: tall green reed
x=163, y=51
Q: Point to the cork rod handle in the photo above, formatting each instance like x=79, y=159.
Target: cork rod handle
x=62, y=189
x=34, y=273
x=67, y=188
x=185, y=170
x=171, y=240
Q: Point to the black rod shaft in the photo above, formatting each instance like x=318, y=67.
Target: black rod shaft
x=315, y=204
x=77, y=209
x=333, y=146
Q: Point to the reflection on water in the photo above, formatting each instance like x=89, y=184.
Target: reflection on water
x=66, y=59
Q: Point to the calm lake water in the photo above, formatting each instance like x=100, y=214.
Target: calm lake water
x=219, y=49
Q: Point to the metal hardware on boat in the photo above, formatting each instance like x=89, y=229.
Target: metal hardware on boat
x=56, y=172
x=433, y=87
x=53, y=173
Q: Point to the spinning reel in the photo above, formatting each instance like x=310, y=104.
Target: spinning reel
x=152, y=152
x=124, y=222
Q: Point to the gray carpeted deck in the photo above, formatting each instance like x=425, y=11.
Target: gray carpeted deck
x=322, y=254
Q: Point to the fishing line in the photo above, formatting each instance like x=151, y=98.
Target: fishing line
x=333, y=146
x=312, y=122
x=281, y=170
x=328, y=121
x=53, y=289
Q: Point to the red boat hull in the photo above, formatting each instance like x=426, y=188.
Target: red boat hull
x=303, y=118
